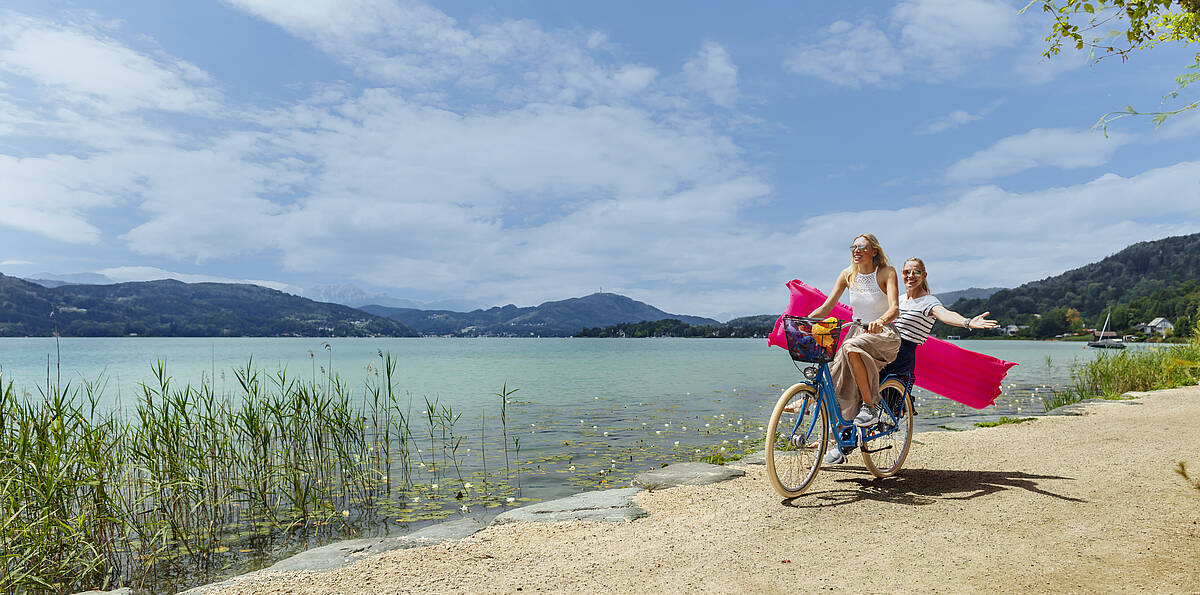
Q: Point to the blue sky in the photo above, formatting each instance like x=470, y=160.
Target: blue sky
x=695, y=156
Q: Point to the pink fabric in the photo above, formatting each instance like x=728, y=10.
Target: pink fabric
x=967, y=377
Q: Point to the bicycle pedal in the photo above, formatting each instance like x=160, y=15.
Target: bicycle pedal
x=875, y=450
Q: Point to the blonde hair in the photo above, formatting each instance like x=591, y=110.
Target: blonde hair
x=924, y=271
x=880, y=260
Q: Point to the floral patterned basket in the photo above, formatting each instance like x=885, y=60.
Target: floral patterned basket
x=812, y=340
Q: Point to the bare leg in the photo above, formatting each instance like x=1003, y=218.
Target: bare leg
x=860, y=378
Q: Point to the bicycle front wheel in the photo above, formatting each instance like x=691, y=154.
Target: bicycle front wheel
x=883, y=456
x=796, y=437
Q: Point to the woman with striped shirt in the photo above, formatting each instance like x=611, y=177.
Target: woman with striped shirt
x=918, y=310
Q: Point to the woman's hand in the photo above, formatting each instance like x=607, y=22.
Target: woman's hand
x=980, y=322
x=874, y=326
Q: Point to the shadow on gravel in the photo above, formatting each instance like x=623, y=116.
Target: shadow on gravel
x=919, y=487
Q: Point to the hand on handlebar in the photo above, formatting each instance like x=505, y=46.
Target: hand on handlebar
x=874, y=326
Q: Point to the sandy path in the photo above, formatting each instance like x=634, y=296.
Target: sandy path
x=1065, y=504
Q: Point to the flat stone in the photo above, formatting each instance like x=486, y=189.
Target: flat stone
x=754, y=458
x=121, y=591
x=681, y=474
x=607, y=506
x=342, y=553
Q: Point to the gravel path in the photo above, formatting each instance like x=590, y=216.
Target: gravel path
x=1068, y=504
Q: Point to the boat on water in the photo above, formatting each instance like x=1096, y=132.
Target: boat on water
x=1103, y=343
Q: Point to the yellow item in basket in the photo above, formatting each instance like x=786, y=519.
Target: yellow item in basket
x=822, y=333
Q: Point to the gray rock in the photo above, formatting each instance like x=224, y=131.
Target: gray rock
x=680, y=474
x=754, y=458
x=342, y=553
x=609, y=506
x=121, y=591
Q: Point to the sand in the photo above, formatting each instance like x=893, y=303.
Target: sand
x=1087, y=503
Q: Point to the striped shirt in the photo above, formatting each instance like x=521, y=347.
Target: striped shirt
x=916, y=317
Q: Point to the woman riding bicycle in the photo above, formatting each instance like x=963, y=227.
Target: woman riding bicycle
x=872, y=292
x=918, y=310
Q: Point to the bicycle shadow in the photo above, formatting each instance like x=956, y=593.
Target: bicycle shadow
x=920, y=487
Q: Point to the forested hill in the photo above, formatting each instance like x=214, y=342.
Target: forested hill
x=173, y=309
x=1137, y=284
x=561, y=318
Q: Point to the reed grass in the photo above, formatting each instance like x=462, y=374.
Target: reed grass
x=192, y=482
x=174, y=489
x=1111, y=375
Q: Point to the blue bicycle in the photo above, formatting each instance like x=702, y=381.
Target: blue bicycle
x=807, y=414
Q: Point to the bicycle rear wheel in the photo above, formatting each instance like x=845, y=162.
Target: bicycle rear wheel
x=797, y=434
x=883, y=456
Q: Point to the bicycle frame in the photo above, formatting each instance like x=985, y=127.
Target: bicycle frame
x=837, y=424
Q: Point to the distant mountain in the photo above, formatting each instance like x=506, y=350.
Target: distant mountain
x=170, y=308
x=53, y=280
x=355, y=297
x=971, y=293
x=551, y=319
x=1137, y=284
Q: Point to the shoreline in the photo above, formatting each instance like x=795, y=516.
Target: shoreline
x=1078, y=503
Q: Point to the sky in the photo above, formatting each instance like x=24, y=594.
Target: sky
x=695, y=156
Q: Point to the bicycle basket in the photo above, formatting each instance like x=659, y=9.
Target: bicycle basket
x=811, y=340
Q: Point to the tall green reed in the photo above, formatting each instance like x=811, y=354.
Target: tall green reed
x=1112, y=374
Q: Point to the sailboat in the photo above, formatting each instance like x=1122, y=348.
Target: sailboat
x=1106, y=343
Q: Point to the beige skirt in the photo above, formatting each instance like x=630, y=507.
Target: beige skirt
x=877, y=350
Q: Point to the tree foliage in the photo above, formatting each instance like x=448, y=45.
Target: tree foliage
x=1136, y=285
x=1087, y=25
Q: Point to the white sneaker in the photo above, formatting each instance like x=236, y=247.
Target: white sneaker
x=834, y=456
x=866, y=417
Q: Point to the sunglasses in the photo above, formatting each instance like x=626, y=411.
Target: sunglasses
x=859, y=247
x=912, y=273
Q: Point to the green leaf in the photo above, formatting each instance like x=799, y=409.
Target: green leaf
x=1089, y=8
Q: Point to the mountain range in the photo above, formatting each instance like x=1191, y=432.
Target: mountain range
x=561, y=318
x=171, y=308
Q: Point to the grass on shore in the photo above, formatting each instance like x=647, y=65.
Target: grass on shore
x=1111, y=375
x=1004, y=421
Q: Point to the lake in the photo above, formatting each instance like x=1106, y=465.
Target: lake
x=562, y=383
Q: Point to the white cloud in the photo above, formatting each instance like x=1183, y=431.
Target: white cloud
x=1181, y=125
x=411, y=45
x=13, y=263
x=928, y=39
x=987, y=237
x=947, y=36
x=1041, y=147
x=83, y=67
x=957, y=118
x=712, y=71
x=954, y=119
x=848, y=55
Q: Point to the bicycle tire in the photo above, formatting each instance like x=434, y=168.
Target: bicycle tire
x=883, y=456
x=791, y=464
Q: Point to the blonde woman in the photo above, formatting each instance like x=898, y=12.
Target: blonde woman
x=872, y=292
x=918, y=311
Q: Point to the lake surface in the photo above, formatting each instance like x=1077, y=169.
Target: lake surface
x=615, y=382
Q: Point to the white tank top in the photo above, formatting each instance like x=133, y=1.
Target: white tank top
x=868, y=301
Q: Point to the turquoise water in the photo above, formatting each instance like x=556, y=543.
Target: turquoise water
x=615, y=382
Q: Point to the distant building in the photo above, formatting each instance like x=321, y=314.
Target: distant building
x=1159, y=326
x=1012, y=329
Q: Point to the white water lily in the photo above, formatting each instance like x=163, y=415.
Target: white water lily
x=467, y=485
x=434, y=486
x=510, y=499
x=464, y=508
